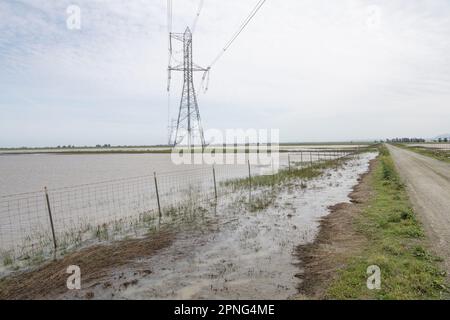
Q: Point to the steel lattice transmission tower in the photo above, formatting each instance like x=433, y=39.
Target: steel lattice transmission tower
x=188, y=123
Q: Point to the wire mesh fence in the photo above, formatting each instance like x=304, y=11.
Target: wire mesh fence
x=59, y=218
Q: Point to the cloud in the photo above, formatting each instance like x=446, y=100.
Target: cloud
x=308, y=67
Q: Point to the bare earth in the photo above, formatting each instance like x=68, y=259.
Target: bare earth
x=428, y=185
x=97, y=262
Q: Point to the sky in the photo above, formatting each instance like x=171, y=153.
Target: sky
x=317, y=70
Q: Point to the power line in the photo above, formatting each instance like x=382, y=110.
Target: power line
x=199, y=10
x=241, y=28
x=169, y=16
x=169, y=31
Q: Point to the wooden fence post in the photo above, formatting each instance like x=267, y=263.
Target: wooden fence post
x=215, y=186
x=249, y=182
x=157, y=194
x=249, y=175
x=51, y=218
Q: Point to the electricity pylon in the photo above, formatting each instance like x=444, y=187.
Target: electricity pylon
x=188, y=123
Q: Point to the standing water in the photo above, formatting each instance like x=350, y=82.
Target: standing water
x=248, y=255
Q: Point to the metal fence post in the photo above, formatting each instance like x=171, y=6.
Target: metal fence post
x=51, y=218
x=273, y=174
x=249, y=176
x=289, y=161
x=157, y=194
x=310, y=158
x=215, y=186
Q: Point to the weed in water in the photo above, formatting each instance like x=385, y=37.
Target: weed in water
x=7, y=258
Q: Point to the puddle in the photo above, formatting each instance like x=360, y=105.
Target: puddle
x=246, y=255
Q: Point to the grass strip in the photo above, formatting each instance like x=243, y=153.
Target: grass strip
x=435, y=153
x=396, y=243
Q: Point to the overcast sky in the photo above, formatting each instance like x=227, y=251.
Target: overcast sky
x=315, y=69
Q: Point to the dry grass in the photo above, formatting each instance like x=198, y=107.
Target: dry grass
x=49, y=280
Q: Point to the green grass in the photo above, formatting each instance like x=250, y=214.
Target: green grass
x=7, y=258
x=439, y=154
x=284, y=175
x=262, y=201
x=396, y=244
x=267, y=187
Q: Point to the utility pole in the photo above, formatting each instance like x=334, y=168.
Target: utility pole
x=188, y=123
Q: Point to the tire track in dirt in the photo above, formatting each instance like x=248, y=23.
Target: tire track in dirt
x=428, y=184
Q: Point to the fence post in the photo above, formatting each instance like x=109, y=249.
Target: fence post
x=51, y=218
x=215, y=186
x=249, y=177
x=310, y=158
x=157, y=194
x=273, y=174
x=301, y=159
x=289, y=161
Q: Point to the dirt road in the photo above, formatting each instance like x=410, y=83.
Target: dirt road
x=428, y=185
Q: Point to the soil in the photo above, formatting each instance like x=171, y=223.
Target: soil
x=336, y=241
x=97, y=262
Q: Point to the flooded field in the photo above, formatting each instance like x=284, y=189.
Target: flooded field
x=235, y=252
x=34, y=225
x=31, y=172
x=164, y=149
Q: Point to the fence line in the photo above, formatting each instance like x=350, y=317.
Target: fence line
x=36, y=221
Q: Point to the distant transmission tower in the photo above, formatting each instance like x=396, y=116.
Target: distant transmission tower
x=188, y=127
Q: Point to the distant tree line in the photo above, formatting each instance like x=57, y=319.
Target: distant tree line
x=405, y=140
x=73, y=146
x=408, y=140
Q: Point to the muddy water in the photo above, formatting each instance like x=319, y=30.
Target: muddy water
x=246, y=255
x=31, y=172
x=21, y=173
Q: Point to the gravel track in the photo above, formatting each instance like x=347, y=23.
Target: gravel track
x=428, y=185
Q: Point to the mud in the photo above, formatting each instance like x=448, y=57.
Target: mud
x=96, y=262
